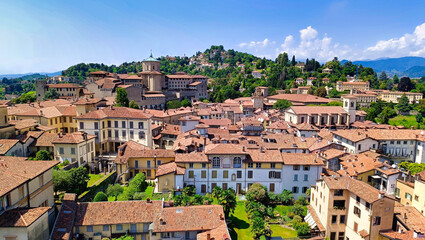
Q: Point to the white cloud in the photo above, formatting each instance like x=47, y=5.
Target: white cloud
x=260, y=44
x=308, y=34
x=410, y=44
x=310, y=46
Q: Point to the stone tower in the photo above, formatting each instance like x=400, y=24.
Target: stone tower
x=349, y=106
x=40, y=88
x=151, y=75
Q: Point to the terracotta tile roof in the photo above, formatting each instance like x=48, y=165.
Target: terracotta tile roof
x=25, y=123
x=319, y=145
x=74, y=138
x=421, y=175
x=44, y=128
x=167, y=113
x=354, y=164
x=16, y=170
x=317, y=110
x=170, y=129
x=46, y=140
x=98, y=72
x=84, y=101
x=133, y=149
x=190, y=218
x=218, y=233
x=363, y=233
x=410, y=217
x=191, y=157
x=301, y=159
x=223, y=148
x=361, y=189
x=301, y=98
x=315, y=218
x=7, y=144
x=30, y=134
x=122, y=212
x=394, y=235
x=217, y=122
x=21, y=217
x=168, y=168
x=50, y=112
x=190, y=118
x=332, y=153
x=150, y=72
x=378, y=134
x=258, y=155
x=282, y=125
x=116, y=112
x=65, y=218
x=185, y=76
x=306, y=127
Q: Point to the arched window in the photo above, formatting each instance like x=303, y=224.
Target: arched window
x=237, y=162
x=216, y=162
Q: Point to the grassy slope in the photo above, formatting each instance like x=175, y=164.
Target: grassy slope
x=406, y=121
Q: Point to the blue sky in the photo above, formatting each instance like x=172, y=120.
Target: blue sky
x=47, y=36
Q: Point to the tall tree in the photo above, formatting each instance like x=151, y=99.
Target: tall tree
x=419, y=119
x=405, y=84
x=133, y=104
x=121, y=98
x=396, y=80
x=383, y=76
x=114, y=190
x=403, y=104
x=293, y=62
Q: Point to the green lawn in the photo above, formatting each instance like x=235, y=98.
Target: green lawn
x=239, y=222
x=406, y=121
x=94, y=178
x=283, y=210
x=279, y=231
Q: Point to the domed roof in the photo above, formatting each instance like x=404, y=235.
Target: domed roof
x=150, y=59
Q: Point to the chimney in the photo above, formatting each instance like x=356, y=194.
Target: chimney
x=208, y=236
x=381, y=194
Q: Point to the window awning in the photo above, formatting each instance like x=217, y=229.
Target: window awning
x=376, y=177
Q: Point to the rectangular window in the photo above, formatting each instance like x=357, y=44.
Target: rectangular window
x=342, y=219
x=367, y=205
x=204, y=165
x=295, y=177
x=148, y=173
x=334, y=219
x=131, y=134
x=191, y=174
x=141, y=125
x=305, y=177
x=148, y=163
x=213, y=185
x=271, y=189
x=158, y=162
x=357, y=199
x=305, y=189
x=133, y=228
x=250, y=165
x=109, y=124
x=141, y=135
x=96, y=125
x=306, y=168
x=203, y=174
x=295, y=190
x=341, y=235
x=339, y=192
x=296, y=167
x=119, y=227
x=272, y=165
x=81, y=125
x=224, y=186
x=73, y=151
x=124, y=133
x=203, y=188
x=89, y=228
x=131, y=124
x=333, y=236
x=377, y=220
x=258, y=165
x=105, y=228
x=239, y=174
x=116, y=134
x=116, y=124
x=225, y=174
x=123, y=124
x=214, y=174
x=357, y=211
x=61, y=150
x=356, y=227
x=190, y=165
x=359, y=147
x=250, y=174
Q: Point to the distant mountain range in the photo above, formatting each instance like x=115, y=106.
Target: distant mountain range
x=413, y=67
x=30, y=74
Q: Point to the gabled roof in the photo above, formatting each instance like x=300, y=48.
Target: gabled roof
x=116, y=112
x=133, y=149
x=7, y=144
x=73, y=138
x=21, y=217
x=168, y=168
x=301, y=159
